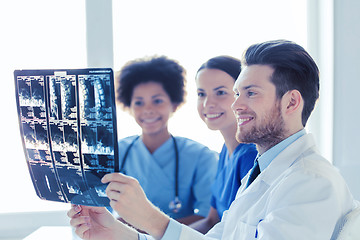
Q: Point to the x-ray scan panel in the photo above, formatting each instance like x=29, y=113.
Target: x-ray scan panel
x=67, y=121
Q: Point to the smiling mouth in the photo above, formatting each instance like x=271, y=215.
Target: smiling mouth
x=242, y=121
x=150, y=120
x=213, y=115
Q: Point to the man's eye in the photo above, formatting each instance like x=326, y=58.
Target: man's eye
x=250, y=93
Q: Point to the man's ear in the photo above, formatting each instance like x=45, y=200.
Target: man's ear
x=293, y=101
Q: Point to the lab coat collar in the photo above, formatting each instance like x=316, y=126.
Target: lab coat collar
x=266, y=158
x=299, y=148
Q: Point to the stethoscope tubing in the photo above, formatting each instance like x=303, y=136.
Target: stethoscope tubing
x=122, y=170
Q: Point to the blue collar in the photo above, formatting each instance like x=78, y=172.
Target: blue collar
x=266, y=158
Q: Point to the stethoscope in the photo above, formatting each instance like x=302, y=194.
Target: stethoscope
x=174, y=205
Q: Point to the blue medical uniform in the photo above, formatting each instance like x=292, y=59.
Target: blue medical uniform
x=156, y=173
x=231, y=169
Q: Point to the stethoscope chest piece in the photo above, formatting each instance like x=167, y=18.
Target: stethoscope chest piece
x=175, y=205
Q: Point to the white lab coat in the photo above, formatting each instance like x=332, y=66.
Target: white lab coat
x=299, y=195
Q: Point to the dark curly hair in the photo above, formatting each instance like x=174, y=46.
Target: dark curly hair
x=162, y=70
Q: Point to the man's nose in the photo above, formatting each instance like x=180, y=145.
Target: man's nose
x=238, y=104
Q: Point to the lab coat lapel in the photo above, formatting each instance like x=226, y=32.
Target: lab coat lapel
x=250, y=205
x=255, y=190
x=277, y=167
x=288, y=157
x=245, y=212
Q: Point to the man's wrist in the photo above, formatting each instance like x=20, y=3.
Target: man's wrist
x=158, y=224
x=124, y=232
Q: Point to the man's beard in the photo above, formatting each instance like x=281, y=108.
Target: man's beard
x=268, y=134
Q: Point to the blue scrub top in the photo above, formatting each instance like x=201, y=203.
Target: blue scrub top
x=156, y=173
x=229, y=174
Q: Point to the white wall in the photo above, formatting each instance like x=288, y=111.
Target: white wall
x=335, y=44
x=99, y=23
x=346, y=95
x=320, y=29
x=333, y=41
x=19, y=225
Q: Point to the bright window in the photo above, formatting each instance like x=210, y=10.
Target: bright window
x=194, y=31
x=51, y=34
x=35, y=34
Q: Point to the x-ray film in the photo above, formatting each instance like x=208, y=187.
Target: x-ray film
x=68, y=128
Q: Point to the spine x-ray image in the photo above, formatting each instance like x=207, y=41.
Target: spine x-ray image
x=68, y=126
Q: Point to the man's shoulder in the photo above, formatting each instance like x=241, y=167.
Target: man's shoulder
x=314, y=163
x=314, y=169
